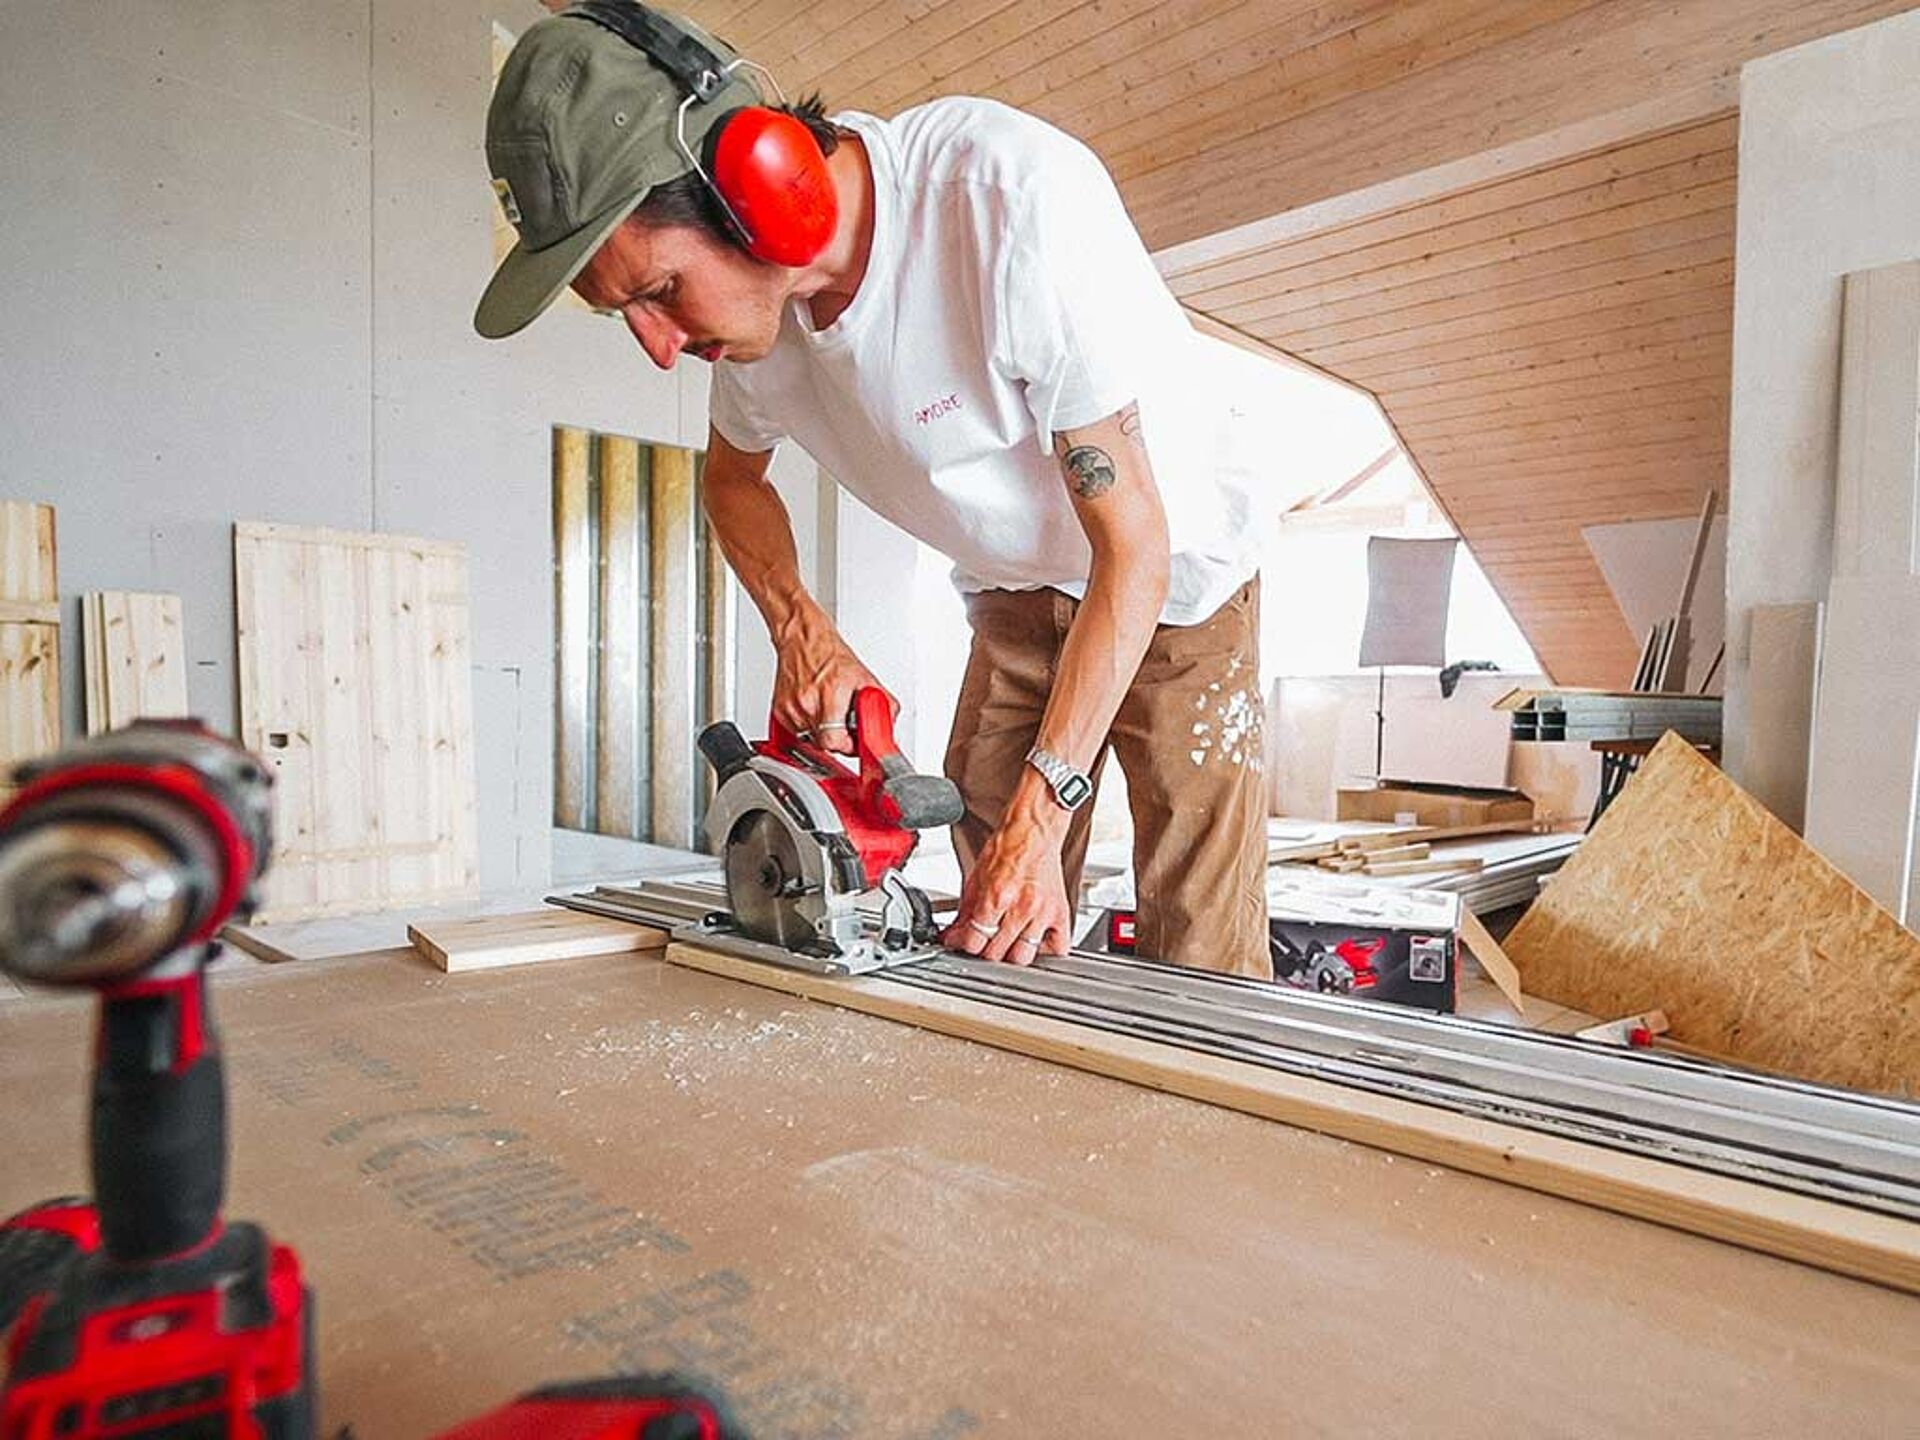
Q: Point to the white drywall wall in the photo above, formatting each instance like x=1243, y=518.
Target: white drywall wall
x=1829, y=183
x=244, y=240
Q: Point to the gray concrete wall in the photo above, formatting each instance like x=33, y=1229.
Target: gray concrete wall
x=243, y=241
x=1829, y=183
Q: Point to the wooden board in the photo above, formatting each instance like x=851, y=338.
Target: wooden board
x=487, y=942
x=356, y=687
x=1689, y=896
x=1835, y=1237
x=135, y=657
x=861, y=1229
x=29, y=635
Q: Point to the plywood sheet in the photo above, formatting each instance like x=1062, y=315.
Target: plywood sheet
x=862, y=1229
x=1690, y=897
x=135, y=655
x=356, y=687
x=488, y=942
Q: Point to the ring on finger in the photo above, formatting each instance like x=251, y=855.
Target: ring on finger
x=987, y=930
x=1028, y=940
x=830, y=725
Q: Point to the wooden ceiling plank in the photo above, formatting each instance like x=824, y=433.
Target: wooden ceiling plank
x=1630, y=230
x=1100, y=58
x=1183, y=74
x=1555, y=508
x=1710, y=349
x=1461, y=478
x=1615, y=199
x=1503, y=193
x=1521, y=356
x=1416, y=36
x=1684, y=242
x=1616, y=306
x=1596, y=411
x=1599, y=281
x=1697, y=378
x=1604, y=58
x=1573, y=425
x=1631, y=432
x=1069, y=46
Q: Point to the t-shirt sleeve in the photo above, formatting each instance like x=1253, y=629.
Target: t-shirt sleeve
x=732, y=411
x=1078, y=292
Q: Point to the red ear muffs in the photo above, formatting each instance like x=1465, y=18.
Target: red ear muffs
x=769, y=169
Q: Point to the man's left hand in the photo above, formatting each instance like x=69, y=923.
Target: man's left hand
x=1014, y=903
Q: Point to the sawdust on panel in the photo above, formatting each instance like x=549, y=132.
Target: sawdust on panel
x=1691, y=897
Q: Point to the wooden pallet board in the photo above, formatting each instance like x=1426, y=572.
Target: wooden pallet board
x=1689, y=896
x=134, y=657
x=356, y=688
x=1874, y=1247
x=488, y=942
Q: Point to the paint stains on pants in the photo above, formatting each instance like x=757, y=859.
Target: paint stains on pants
x=1189, y=735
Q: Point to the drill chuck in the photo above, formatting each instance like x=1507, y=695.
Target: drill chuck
x=128, y=847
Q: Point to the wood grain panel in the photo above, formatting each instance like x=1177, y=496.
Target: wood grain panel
x=29, y=635
x=135, y=657
x=1553, y=348
x=356, y=687
x=1217, y=113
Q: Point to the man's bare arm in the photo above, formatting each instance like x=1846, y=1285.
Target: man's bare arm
x=817, y=672
x=1014, y=903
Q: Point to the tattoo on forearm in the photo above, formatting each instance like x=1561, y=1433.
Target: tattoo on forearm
x=1130, y=425
x=1089, y=470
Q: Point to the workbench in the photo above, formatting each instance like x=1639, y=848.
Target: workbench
x=862, y=1229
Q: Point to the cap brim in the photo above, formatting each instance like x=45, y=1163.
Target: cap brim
x=528, y=281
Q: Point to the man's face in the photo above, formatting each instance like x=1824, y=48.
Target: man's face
x=681, y=290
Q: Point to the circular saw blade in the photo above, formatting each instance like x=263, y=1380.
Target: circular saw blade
x=767, y=882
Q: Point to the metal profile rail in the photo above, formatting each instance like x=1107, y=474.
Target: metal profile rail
x=1855, y=1148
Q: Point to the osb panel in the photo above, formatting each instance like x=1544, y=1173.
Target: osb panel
x=1690, y=897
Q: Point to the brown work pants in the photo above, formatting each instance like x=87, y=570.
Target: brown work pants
x=1189, y=737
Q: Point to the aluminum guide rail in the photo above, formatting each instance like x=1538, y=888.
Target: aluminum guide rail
x=1859, y=1149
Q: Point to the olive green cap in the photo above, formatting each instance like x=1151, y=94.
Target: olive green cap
x=581, y=127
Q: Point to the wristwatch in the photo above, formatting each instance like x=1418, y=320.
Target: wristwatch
x=1071, y=788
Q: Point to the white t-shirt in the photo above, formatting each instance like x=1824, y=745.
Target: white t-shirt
x=1007, y=297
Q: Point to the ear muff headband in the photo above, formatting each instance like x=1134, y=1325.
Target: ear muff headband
x=768, y=172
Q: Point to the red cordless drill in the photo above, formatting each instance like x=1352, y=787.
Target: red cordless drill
x=142, y=1315
x=145, y=1313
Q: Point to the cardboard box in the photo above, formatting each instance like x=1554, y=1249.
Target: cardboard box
x=1427, y=804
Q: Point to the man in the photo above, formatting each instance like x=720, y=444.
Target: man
x=982, y=352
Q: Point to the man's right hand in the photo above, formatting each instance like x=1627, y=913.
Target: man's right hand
x=814, y=684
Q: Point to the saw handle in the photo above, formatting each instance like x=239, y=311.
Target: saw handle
x=888, y=782
x=923, y=801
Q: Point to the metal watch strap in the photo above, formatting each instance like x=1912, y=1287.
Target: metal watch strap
x=1071, y=787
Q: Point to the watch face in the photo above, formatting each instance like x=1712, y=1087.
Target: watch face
x=1074, y=791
